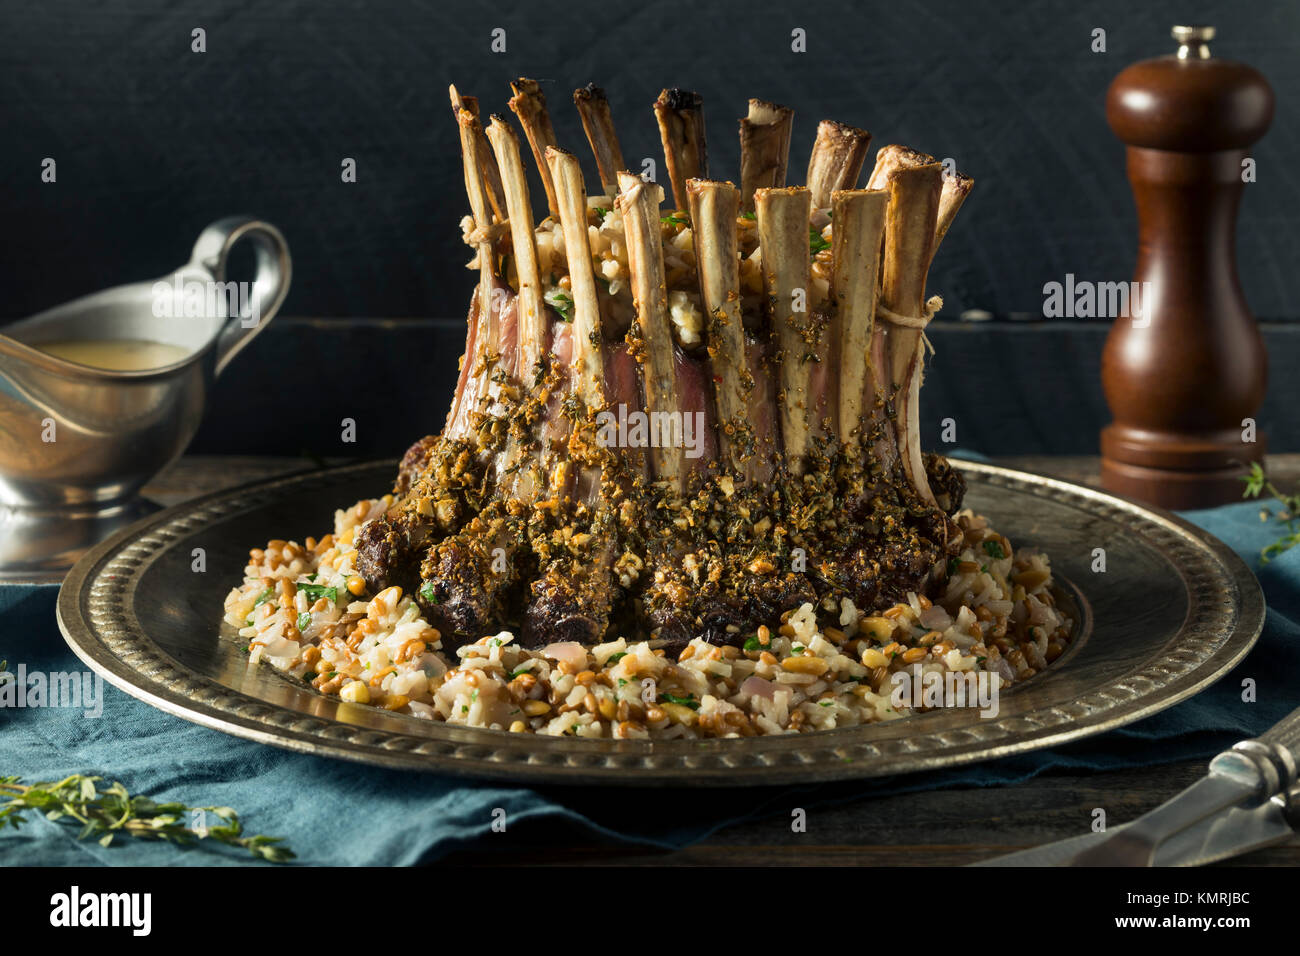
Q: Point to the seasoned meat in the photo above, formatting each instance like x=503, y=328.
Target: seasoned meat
x=680, y=425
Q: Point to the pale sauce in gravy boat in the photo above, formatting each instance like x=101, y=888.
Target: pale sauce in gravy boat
x=78, y=441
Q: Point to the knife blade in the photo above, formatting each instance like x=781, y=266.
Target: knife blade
x=1217, y=838
x=1194, y=823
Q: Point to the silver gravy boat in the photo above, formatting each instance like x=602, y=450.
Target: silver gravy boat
x=77, y=442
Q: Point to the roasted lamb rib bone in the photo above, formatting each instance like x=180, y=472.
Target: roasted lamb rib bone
x=714, y=208
x=529, y=104
x=487, y=164
x=571, y=195
x=532, y=316
x=836, y=161
x=890, y=159
x=681, y=128
x=956, y=185
x=909, y=247
x=859, y=217
x=529, y=366
x=638, y=202
x=483, y=327
x=784, y=239
x=598, y=123
x=764, y=148
x=574, y=591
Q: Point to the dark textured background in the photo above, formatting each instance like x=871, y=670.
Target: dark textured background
x=153, y=141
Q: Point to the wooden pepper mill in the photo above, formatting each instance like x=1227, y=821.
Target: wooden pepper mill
x=1182, y=374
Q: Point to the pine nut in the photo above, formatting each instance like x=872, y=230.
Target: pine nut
x=881, y=628
x=873, y=658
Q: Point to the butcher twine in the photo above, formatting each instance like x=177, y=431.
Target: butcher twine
x=932, y=305
x=479, y=235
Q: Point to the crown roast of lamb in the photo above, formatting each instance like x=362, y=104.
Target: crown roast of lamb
x=679, y=421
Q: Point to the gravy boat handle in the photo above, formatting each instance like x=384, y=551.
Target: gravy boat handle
x=270, y=282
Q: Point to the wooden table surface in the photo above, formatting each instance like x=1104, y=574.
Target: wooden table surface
x=953, y=826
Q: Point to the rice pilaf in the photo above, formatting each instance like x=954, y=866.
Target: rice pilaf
x=303, y=609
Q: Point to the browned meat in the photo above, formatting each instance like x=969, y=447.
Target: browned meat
x=414, y=463
x=448, y=489
x=946, y=482
x=572, y=600
x=468, y=579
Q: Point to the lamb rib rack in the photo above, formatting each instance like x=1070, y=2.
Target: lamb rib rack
x=679, y=424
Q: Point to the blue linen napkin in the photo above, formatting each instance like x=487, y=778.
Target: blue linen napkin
x=333, y=812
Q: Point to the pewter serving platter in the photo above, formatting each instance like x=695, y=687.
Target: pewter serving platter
x=1173, y=611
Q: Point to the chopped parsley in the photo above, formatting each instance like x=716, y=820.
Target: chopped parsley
x=752, y=644
x=675, y=220
x=816, y=241
x=952, y=566
x=748, y=215
x=561, y=303
x=304, y=621
x=427, y=591
x=602, y=211
x=622, y=682
x=261, y=599
x=309, y=676
x=994, y=549
x=318, y=591
x=687, y=701
x=615, y=658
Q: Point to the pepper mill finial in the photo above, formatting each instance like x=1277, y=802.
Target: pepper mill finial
x=1193, y=42
x=1184, y=376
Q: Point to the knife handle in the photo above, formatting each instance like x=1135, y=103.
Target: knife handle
x=1285, y=733
x=1284, y=739
x=1274, y=754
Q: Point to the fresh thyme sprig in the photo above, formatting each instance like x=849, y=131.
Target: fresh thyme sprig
x=1256, y=484
x=105, y=812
